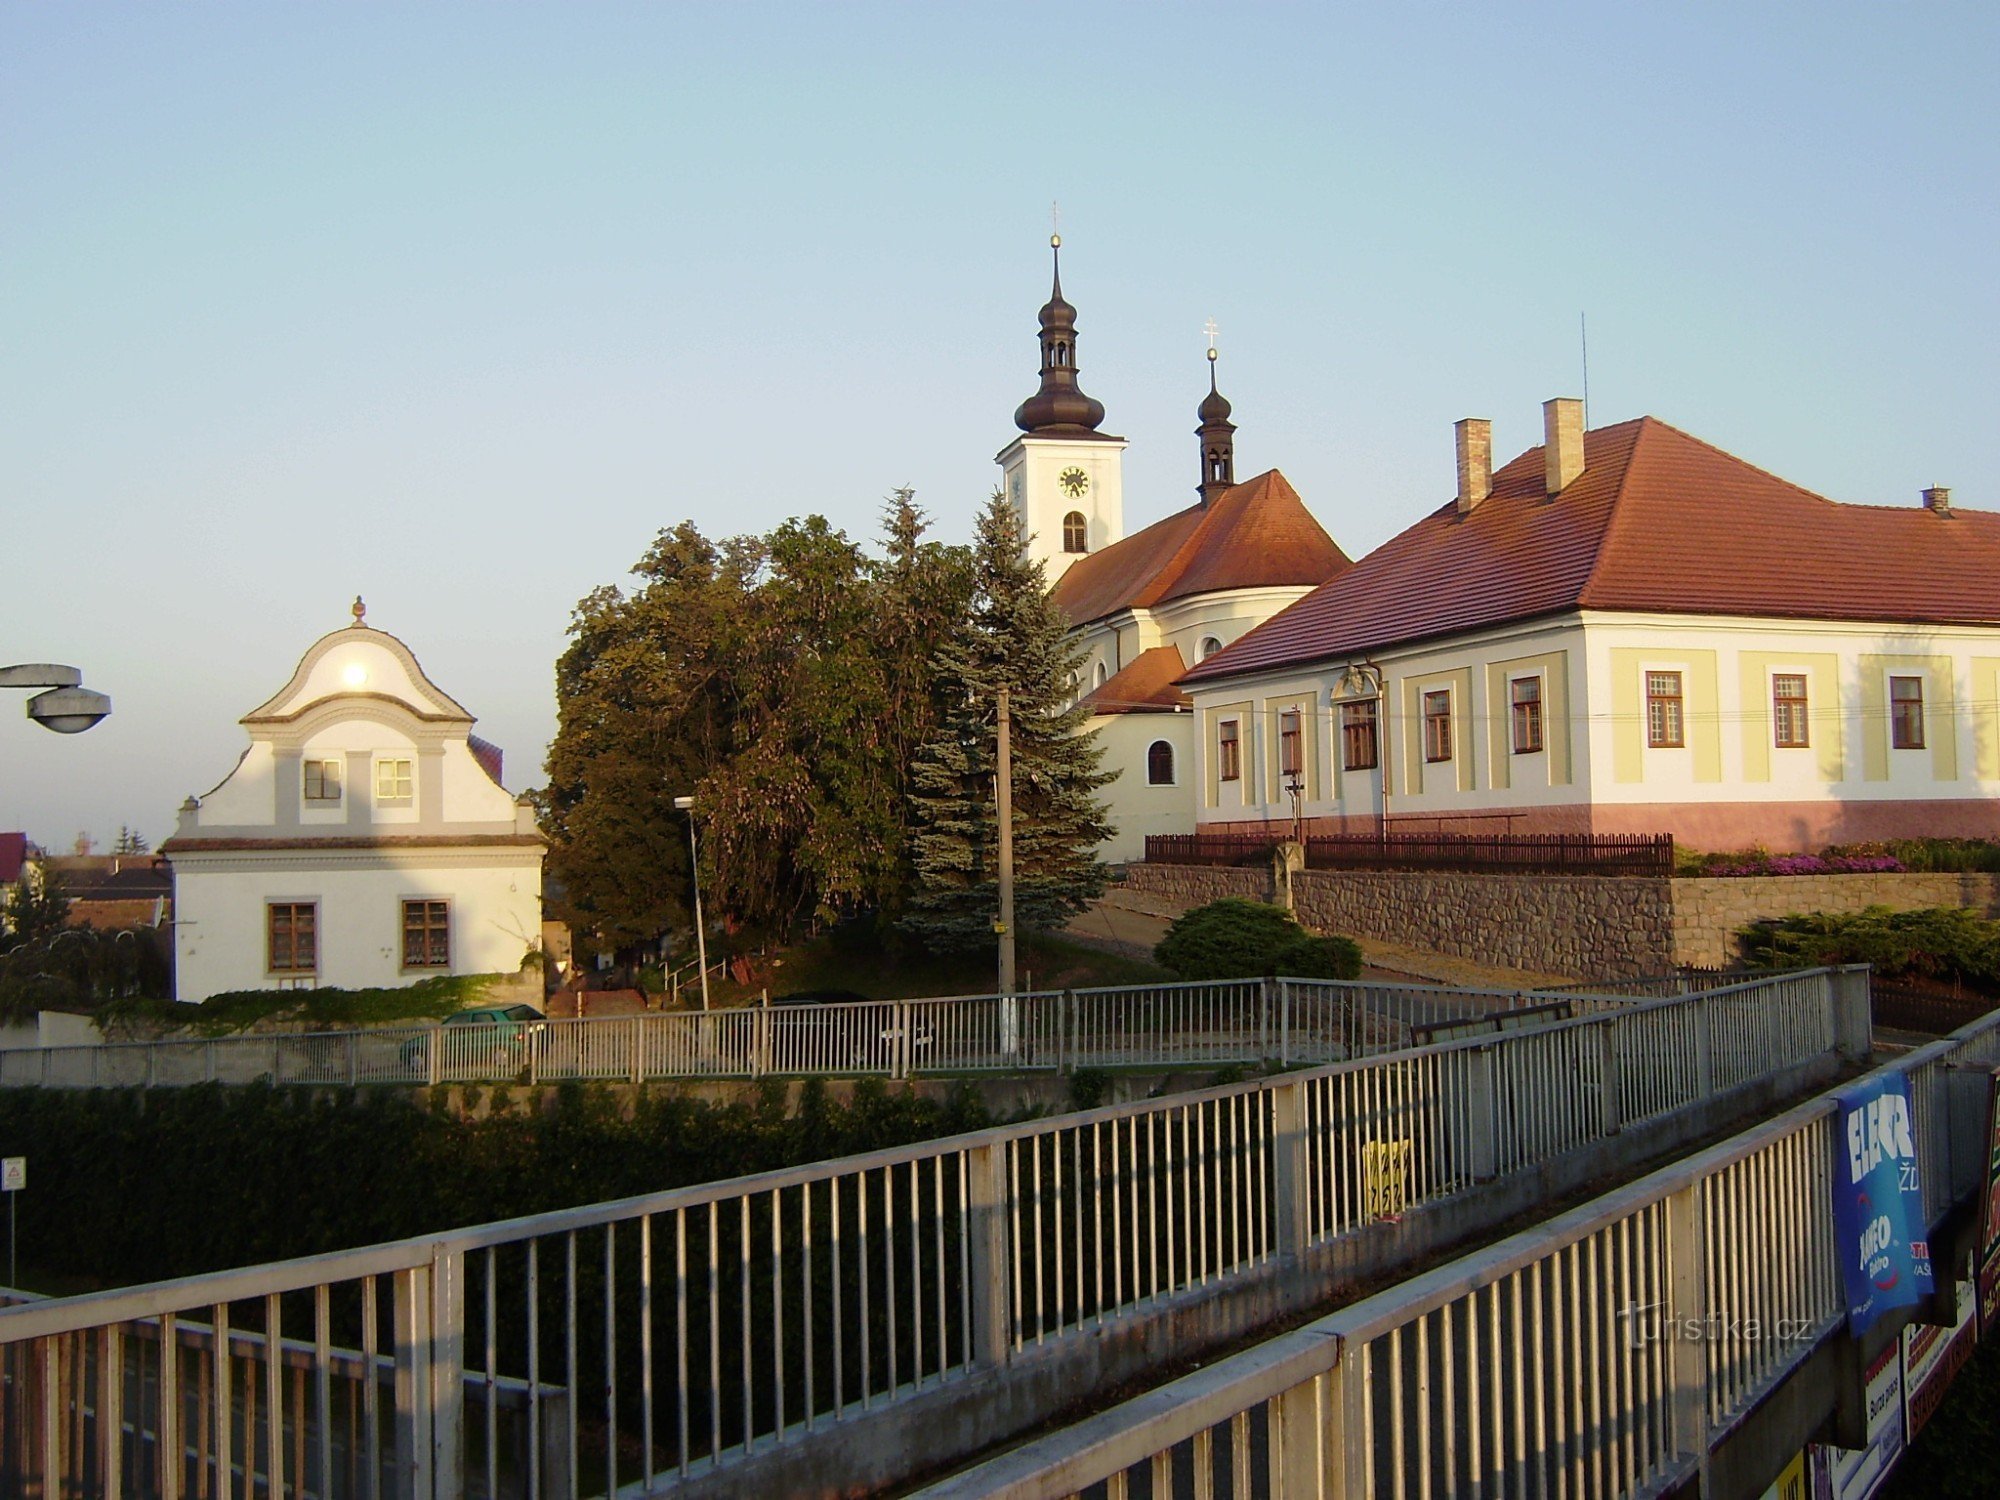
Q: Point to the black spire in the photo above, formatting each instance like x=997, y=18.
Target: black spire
x=1218, y=440
x=1059, y=409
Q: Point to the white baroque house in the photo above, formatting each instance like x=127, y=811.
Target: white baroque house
x=1147, y=606
x=363, y=839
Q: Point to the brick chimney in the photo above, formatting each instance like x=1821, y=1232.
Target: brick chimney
x=1562, y=442
x=1475, y=461
x=1937, y=498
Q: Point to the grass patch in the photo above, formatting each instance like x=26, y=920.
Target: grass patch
x=1042, y=961
x=236, y=1010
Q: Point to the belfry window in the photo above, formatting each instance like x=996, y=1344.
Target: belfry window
x=1073, y=532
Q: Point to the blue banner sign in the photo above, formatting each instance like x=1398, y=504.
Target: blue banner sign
x=1878, y=1208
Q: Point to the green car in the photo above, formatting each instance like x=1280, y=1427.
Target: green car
x=485, y=1041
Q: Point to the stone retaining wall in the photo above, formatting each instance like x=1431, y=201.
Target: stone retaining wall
x=1592, y=926
x=1708, y=912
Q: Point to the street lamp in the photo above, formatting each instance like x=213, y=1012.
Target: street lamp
x=67, y=707
x=686, y=805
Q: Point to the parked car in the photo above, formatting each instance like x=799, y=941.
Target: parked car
x=484, y=1041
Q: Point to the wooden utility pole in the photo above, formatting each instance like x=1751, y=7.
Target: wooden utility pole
x=1003, y=786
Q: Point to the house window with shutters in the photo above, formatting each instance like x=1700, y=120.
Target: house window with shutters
x=291, y=937
x=1665, y=726
x=1906, y=713
x=1357, y=735
x=1229, y=751
x=1526, y=693
x=1437, y=726
x=1788, y=710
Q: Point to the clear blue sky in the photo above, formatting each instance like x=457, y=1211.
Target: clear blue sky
x=454, y=306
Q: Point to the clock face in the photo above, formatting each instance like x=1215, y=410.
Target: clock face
x=1073, y=481
x=1014, y=486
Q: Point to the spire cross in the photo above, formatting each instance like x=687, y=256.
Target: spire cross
x=1055, y=222
x=1210, y=329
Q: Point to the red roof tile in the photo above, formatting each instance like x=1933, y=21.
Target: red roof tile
x=1145, y=684
x=1257, y=535
x=1657, y=521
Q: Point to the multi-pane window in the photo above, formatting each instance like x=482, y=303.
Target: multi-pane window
x=1664, y=727
x=1906, y=713
x=1437, y=726
x=1209, y=646
x=1357, y=735
x=291, y=941
x=392, y=781
x=1526, y=693
x=1291, y=756
x=1229, y=751
x=426, y=934
x=1073, y=532
x=1160, y=764
x=1788, y=709
x=322, y=780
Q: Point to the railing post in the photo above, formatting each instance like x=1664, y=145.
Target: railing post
x=899, y=1040
x=1610, y=1073
x=447, y=1374
x=1482, y=1112
x=1687, y=1307
x=638, y=1049
x=433, y=1041
x=353, y=1058
x=1704, y=1047
x=211, y=1061
x=1853, y=1018
x=760, y=1043
x=1288, y=1159
x=411, y=1299
x=1348, y=1451
x=986, y=1236
x=149, y=1066
x=1285, y=1024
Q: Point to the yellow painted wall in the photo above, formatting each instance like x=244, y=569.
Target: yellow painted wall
x=1940, y=712
x=1556, y=728
x=1823, y=715
x=1701, y=709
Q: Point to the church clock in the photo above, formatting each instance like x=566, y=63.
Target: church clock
x=1074, y=482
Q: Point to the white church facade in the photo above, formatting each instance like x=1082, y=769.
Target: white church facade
x=363, y=839
x=1147, y=606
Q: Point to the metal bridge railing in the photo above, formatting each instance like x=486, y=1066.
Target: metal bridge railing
x=676, y=1334
x=1199, y=1024
x=1597, y=1354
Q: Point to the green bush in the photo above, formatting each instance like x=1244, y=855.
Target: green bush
x=235, y=1010
x=1237, y=939
x=1319, y=958
x=1941, y=942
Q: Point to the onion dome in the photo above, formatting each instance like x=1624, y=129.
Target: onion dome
x=1218, y=440
x=1059, y=408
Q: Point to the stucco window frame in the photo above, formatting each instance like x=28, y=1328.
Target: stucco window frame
x=1674, y=719
x=1360, y=734
x=1210, y=644
x=1076, y=534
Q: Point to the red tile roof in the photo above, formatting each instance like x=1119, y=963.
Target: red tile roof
x=1257, y=535
x=1145, y=684
x=1658, y=521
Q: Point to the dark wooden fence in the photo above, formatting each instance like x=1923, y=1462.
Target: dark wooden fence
x=1908, y=1007
x=1518, y=853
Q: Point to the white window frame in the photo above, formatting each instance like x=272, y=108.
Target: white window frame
x=406, y=779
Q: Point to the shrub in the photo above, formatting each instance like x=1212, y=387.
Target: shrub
x=1941, y=942
x=1237, y=939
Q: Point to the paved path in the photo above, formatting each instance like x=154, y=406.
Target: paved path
x=1131, y=922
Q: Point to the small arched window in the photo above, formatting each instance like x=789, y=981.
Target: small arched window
x=1160, y=764
x=1103, y=675
x=1073, y=532
x=1209, y=646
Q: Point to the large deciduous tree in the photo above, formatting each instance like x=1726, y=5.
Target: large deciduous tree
x=1016, y=637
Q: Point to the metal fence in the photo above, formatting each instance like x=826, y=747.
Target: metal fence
x=1199, y=1024
x=1560, y=1361
x=1513, y=853
x=647, y=1341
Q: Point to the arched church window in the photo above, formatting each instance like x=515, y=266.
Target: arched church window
x=1073, y=532
x=1160, y=764
x=1209, y=646
x=1103, y=674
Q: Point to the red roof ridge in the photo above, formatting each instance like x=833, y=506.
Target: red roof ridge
x=1145, y=684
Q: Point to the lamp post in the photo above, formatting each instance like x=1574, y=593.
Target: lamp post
x=686, y=805
x=67, y=706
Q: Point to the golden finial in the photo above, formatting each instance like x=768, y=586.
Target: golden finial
x=360, y=611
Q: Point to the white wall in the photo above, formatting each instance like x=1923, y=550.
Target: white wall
x=219, y=917
x=1137, y=808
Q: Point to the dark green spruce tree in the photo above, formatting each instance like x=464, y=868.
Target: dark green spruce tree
x=1017, y=638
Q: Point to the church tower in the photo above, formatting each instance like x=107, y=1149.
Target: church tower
x=1218, y=438
x=1063, y=477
